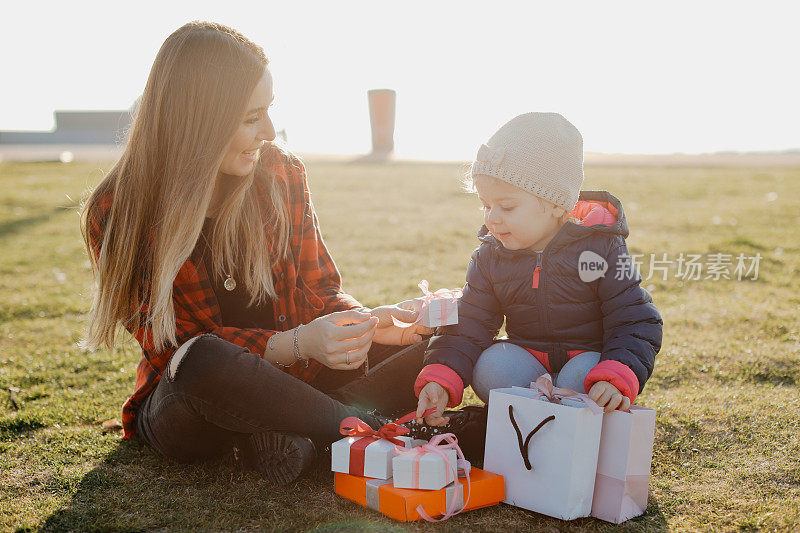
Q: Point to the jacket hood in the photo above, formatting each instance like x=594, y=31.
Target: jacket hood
x=598, y=212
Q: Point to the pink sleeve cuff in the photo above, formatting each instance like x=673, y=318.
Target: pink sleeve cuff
x=444, y=376
x=616, y=373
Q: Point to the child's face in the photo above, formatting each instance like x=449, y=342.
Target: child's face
x=518, y=219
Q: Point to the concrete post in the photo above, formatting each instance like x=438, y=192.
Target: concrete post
x=381, y=117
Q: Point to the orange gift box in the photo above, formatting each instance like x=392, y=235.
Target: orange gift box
x=401, y=504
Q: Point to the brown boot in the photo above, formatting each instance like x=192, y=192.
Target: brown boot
x=279, y=457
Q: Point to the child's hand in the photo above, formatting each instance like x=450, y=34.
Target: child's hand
x=433, y=395
x=606, y=394
x=388, y=333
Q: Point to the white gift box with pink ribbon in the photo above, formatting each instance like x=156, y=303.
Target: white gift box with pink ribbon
x=431, y=466
x=438, y=311
x=435, y=309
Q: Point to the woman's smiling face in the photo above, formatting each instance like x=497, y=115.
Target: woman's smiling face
x=518, y=219
x=255, y=128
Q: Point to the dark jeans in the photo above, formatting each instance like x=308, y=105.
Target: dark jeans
x=218, y=392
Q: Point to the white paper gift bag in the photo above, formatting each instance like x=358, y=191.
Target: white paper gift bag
x=547, y=452
x=623, y=465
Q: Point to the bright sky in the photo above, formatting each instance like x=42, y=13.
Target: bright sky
x=633, y=76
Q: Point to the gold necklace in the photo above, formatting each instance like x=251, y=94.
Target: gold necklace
x=229, y=283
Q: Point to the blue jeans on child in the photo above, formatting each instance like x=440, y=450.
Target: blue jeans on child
x=507, y=365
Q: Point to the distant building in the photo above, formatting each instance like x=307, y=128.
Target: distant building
x=76, y=127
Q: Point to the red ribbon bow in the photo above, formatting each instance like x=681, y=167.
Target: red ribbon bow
x=355, y=427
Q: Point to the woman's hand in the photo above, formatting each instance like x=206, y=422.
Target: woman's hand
x=607, y=395
x=436, y=396
x=388, y=333
x=339, y=340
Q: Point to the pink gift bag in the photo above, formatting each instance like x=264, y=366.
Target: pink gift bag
x=623, y=464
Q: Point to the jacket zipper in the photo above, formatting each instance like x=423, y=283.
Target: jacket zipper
x=542, y=297
x=538, y=283
x=537, y=271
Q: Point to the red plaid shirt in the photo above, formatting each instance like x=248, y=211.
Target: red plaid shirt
x=307, y=282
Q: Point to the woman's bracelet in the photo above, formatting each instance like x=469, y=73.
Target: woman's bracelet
x=295, y=349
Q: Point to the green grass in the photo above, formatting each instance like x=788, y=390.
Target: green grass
x=725, y=386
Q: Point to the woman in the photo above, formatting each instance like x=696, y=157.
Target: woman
x=206, y=247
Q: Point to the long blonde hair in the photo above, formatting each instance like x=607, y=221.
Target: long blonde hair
x=196, y=95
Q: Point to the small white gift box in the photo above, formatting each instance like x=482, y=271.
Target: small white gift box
x=365, y=456
x=435, y=309
x=424, y=469
x=438, y=311
x=438, y=308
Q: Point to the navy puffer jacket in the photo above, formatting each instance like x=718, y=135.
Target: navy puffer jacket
x=612, y=315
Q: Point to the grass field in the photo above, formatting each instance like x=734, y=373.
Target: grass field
x=726, y=383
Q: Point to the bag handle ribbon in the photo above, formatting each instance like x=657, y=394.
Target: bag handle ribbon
x=525, y=444
x=544, y=385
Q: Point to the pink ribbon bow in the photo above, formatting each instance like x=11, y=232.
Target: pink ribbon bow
x=447, y=298
x=555, y=394
x=436, y=446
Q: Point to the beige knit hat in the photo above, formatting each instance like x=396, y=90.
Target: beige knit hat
x=541, y=153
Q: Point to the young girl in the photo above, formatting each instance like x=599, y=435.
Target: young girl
x=542, y=243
